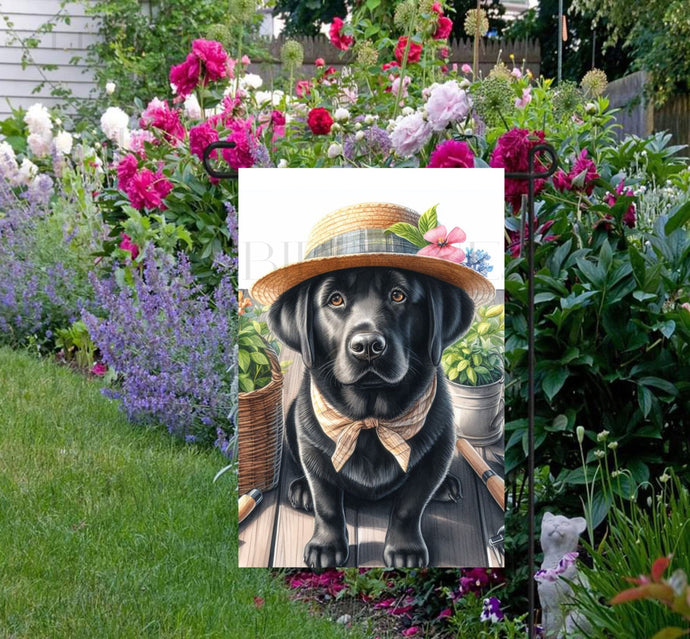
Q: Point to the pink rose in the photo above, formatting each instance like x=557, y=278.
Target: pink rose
x=413, y=55
x=245, y=60
x=200, y=137
x=466, y=68
x=338, y=39
x=185, y=76
x=443, y=29
x=451, y=154
x=214, y=57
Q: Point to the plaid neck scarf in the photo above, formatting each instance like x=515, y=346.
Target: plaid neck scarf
x=393, y=433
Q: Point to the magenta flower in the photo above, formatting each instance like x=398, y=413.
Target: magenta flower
x=214, y=57
x=127, y=245
x=441, y=244
x=126, y=169
x=185, y=76
x=443, y=28
x=200, y=137
x=584, y=173
x=338, y=39
x=159, y=115
x=99, y=369
x=411, y=631
x=241, y=155
x=451, y=154
x=147, y=190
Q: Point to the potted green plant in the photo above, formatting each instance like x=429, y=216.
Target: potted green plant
x=260, y=405
x=474, y=368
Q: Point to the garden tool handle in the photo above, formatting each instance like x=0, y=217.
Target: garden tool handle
x=491, y=480
x=247, y=503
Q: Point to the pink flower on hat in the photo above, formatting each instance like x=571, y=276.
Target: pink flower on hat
x=441, y=242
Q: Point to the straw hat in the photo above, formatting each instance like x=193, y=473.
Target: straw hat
x=354, y=236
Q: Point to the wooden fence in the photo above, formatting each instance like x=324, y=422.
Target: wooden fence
x=639, y=116
x=490, y=51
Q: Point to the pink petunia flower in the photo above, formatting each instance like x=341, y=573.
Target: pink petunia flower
x=338, y=39
x=451, y=154
x=441, y=244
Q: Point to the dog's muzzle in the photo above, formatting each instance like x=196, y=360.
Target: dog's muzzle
x=367, y=346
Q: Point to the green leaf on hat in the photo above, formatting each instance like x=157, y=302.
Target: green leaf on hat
x=429, y=220
x=408, y=232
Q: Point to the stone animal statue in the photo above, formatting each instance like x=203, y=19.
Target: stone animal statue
x=559, y=538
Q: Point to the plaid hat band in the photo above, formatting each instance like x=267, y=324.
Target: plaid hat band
x=362, y=241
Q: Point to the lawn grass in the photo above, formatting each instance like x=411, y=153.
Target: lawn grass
x=112, y=530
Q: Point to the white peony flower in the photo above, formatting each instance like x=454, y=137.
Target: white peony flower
x=110, y=88
x=37, y=118
x=39, y=143
x=192, y=108
x=341, y=114
x=282, y=164
x=410, y=134
x=114, y=123
x=335, y=150
x=263, y=97
x=369, y=119
x=63, y=142
x=251, y=81
x=407, y=111
x=27, y=171
x=359, y=135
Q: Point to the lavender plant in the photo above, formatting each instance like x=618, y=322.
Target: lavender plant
x=172, y=346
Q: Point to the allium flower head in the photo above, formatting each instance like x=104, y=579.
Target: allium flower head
x=470, y=25
x=493, y=98
x=405, y=15
x=566, y=99
x=594, y=83
x=243, y=10
x=366, y=54
x=292, y=54
x=500, y=70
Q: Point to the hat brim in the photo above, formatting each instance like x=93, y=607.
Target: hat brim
x=270, y=287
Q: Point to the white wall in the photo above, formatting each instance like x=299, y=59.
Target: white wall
x=58, y=47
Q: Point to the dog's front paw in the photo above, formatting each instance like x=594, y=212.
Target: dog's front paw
x=450, y=490
x=300, y=495
x=326, y=551
x=403, y=551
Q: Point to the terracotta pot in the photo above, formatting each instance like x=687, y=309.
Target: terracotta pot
x=478, y=412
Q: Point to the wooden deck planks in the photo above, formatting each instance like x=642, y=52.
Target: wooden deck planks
x=457, y=534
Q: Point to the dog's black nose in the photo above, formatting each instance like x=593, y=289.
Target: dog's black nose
x=367, y=346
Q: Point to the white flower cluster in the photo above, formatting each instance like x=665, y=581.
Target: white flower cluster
x=40, y=126
x=115, y=125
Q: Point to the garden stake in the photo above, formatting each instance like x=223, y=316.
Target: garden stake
x=532, y=175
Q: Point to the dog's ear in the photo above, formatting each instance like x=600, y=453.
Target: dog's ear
x=451, y=311
x=290, y=320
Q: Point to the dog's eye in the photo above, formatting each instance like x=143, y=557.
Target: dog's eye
x=397, y=295
x=336, y=300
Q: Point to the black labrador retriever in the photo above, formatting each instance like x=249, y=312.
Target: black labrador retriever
x=371, y=340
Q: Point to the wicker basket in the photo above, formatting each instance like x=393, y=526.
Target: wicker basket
x=260, y=432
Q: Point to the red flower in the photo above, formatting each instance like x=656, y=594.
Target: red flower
x=451, y=154
x=303, y=88
x=185, y=76
x=413, y=55
x=442, y=244
x=389, y=65
x=214, y=57
x=561, y=181
x=126, y=168
x=319, y=62
x=443, y=29
x=278, y=118
x=127, y=245
x=583, y=174
x=200, y=137
x=512, y=154
x=147, y=190
x=319, y=121
x=338, y=39
x=437, y=8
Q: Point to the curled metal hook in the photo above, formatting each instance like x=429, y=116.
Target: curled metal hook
x=207, y=156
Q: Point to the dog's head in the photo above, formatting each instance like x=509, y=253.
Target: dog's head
x=371, y=335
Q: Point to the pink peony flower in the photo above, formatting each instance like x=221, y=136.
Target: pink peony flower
x=277, y=118
x=437, y=8
x=126, y=168
x=526, y=98
x=466, y=68
x=146, y=190
x=389, y=65
x=245, y=60
x=583, y=174
x=395, y=86
x=447, y=103
x=338, y=39
x=410, y=134
x=319, y=62
x=413, y=55
x=443, y=29
x=185, y=76
x=240, y=156
x=630, y=215
x=561, y=181
x=441, y=244
x=451, y=154
x=137, y=138
x=303, y=88
x=127, y=245
x=160, y=116
x=200, y=137
x=99, y=369
x=214, y=57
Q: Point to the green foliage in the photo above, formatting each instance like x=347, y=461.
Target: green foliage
x=477, y=359
x=253, y=341
x=306, y=18
x=76, y=345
